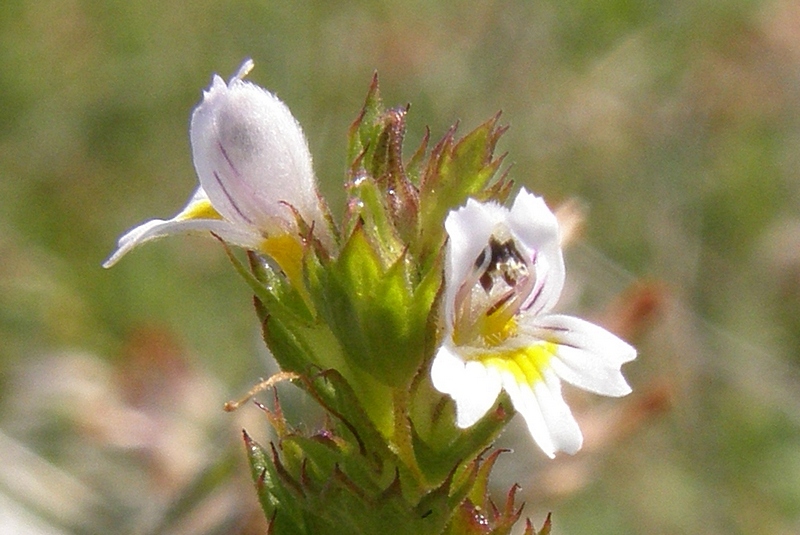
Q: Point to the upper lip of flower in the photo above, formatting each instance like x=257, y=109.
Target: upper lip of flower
x=497, y=267
x=504, y=274
x=254, y=168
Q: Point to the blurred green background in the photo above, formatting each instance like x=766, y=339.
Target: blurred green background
x=676, y=125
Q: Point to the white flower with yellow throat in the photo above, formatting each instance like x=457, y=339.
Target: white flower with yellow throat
x=504, y=274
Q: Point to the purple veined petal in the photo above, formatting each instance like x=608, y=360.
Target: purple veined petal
x=252, y=158
x=469, y=229
x=536, y=227
x=587, y=355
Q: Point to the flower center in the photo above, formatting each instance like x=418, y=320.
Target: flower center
x=489, y=300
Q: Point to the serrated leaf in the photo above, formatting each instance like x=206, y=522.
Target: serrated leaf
x=480, y=487
x=545, y=527
x=414, y=166
x=368, y=210
x=277, y=295
x=278, y=502
x=290, y=349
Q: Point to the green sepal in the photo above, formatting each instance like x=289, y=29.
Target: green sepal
x=334, y=393
x=479, y=493
x=386, y=166
x=279, y=297
x=328, y=499
x=375, y=153
x=367, y=209
x=415, y=165
x=285, y=339
x=530, y=530
x=477, y=514
x=437, y=505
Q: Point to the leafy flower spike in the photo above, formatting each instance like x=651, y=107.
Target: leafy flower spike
x=255, y=173
x=504, y=273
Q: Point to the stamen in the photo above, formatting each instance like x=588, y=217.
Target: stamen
x=500, y=303
x=494, y=292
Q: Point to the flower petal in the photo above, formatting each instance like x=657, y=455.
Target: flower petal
x=587, y=355
x=251, y=156
x=197, y=216
x=564, y=430
x=526, y=404
x=159, y=228
x=473, y=386
x=446, y=371
x=469, y=229
x=533, y=224
x=537, y=397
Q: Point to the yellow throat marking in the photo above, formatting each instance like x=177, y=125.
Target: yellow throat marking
x=525, y=364
x=199, y=210
x=287, y=251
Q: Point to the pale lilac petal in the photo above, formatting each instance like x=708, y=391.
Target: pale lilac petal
x=587, y=355
x=254, y=168
x=251, y=156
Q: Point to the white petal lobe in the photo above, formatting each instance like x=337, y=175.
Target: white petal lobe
x=251, y=156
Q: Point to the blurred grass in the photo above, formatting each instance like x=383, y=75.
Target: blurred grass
x=675, y=123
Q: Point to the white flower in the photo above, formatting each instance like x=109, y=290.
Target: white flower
x=504, y=273
x=255, y=172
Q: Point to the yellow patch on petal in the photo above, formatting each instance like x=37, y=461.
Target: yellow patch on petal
x=199, y=210
x=526, y=364
x=287, y=251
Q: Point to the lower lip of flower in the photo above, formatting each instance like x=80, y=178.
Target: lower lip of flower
x=524, y=364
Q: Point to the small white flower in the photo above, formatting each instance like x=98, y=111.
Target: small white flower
x=504, y=273
x=255, y=171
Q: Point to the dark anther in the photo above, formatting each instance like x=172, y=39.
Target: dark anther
x=506, y=261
